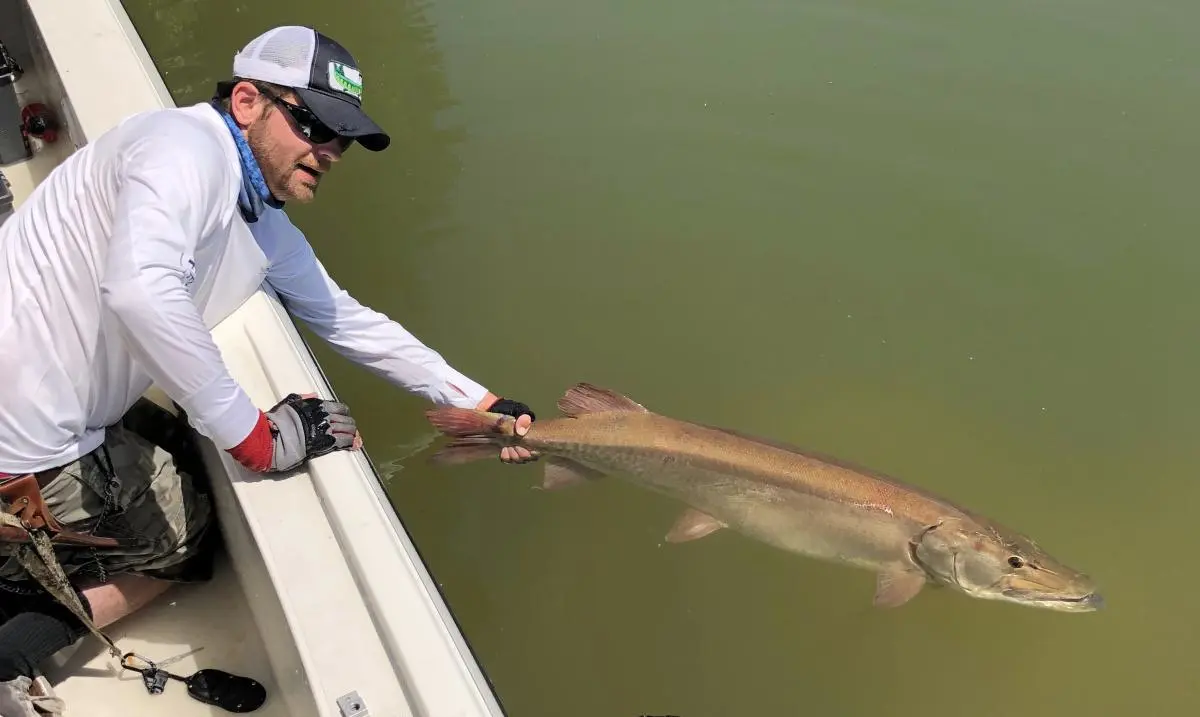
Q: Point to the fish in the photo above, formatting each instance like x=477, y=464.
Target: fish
x=796, y=500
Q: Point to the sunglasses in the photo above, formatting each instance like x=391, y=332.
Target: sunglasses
x=314, y=129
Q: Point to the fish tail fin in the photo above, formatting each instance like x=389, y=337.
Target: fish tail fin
x=477, y=434
x=461, y=422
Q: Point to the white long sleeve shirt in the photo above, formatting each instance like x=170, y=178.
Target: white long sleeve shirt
x=117, y=266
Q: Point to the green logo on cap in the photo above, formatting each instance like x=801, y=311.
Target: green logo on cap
x=345, y=78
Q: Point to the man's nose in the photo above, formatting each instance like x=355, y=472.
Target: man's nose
x=333, y=149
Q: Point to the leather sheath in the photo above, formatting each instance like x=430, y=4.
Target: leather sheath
x=22, y=496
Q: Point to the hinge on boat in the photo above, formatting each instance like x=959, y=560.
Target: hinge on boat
x=352, y=705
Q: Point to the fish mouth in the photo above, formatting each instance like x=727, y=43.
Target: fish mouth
x=1087, y=602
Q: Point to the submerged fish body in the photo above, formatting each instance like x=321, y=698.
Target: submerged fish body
x=769, y=493
x=792, y=499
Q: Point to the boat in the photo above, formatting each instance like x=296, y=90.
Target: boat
x=319, y=592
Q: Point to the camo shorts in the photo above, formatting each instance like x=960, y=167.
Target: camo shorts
x=146, y=494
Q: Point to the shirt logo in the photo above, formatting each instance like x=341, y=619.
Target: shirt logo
x=188, y=264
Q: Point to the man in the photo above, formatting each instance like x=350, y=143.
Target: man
x=111, y=276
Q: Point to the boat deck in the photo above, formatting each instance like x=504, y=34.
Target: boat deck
x=24, y=176
x=189, y=626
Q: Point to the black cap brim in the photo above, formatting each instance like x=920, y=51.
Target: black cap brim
x=345, y=118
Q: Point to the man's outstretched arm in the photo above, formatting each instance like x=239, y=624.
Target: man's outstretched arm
x=369, y=337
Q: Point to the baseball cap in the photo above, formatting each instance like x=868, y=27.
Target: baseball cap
x=320, y=71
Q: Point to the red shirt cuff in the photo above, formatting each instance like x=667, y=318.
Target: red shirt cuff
x=258, y=448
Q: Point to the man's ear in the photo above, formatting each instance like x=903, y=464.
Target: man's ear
x=245, y=103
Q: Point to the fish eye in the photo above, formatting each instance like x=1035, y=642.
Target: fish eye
x=1016, y=562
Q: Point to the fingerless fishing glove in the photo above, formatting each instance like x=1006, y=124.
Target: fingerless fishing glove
x=295, y=430
x=508, y=407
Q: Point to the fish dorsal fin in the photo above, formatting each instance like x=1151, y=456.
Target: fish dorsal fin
x=585, y=398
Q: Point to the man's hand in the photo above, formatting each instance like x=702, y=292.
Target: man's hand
x=307, y=427
x=294, y=430
x=524, y=416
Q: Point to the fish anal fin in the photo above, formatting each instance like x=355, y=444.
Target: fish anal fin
x=693, y=525
x=896, y=586
x=585, y=398
x=563, y=473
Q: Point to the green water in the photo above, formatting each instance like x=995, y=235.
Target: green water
x=956, y=242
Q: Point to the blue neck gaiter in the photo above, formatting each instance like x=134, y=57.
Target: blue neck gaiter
x=253, y=194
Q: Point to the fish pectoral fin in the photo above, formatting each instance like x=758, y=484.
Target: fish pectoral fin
x=563, y=473
x=692, y=525
x=896, y=587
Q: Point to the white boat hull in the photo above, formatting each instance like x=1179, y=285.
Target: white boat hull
x=321, y=593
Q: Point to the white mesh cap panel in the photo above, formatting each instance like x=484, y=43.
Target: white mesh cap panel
x=283, y=56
